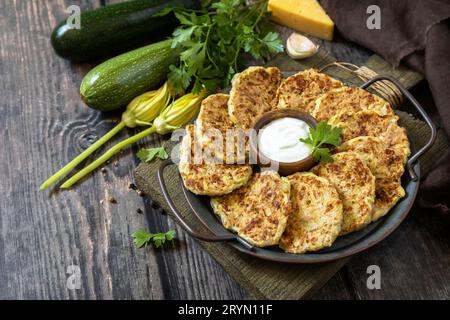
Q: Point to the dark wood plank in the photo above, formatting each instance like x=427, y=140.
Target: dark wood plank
x=413, y=261
x=44, y=125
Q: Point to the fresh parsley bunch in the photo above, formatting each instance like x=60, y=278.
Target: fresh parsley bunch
x=212, y=41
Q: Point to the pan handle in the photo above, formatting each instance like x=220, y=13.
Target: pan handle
x=182, y=222
x=414, y=158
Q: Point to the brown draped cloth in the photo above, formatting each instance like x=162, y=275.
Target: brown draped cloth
x=417, y=33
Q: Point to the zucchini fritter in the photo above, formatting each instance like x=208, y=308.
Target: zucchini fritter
x=388, y=193
x=252, y=94
x=348, y=99
x=386, y=164
x=371, y=123
x=301, y=90
x=217, y=133
x=355, y=184
x=204, y=177
x=258, y=211
x=316, y=217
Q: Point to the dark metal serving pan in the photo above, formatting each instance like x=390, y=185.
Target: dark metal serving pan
x=344, y=246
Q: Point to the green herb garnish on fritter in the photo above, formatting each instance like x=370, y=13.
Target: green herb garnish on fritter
x=212, y=41
x=320, y=137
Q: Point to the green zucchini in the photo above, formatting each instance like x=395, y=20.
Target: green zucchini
x=115, y=82
x=115, y=28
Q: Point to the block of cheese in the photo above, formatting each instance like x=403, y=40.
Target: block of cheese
x=304, y=16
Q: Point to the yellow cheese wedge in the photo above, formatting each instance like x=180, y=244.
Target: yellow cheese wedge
x=304, y=16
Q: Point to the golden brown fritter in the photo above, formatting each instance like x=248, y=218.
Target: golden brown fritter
x=252, y=94
x=316, y=217
x=258, y=211
x=204, y=177
x=301, y=90
x=218, y=134
x=388, y=193
x=371, y=123
x=355, y=184
x=386, y=164
x=348, y=99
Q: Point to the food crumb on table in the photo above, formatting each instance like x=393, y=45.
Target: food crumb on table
x=112, y=199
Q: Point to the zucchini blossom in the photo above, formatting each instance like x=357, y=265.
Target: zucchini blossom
x=178, y=114
x=141, y=111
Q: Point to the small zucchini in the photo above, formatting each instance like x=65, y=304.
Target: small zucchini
x=116, y=28
x=115, y=82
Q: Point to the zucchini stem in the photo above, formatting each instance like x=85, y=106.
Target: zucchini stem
x=106, y=156
x=86, y=153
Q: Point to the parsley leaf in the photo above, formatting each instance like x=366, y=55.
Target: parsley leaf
x=181, y=35
x=184, y=18
x=142, y=238
x=225, y=6
x=213, y=40
x=324, y=134
x=322, y=154
x=148, y=155
x=179, y=77
x=273, y=42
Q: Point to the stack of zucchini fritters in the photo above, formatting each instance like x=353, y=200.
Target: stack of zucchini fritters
x=305, y=211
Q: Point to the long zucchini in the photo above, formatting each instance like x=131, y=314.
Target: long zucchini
x=115, y=28
x=115, y=82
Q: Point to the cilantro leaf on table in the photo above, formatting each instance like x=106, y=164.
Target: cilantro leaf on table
x=323, y=134
x=148, y=155
x=214, y=39
x=142, y=238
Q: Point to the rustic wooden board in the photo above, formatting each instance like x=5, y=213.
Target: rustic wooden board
x=43, y=124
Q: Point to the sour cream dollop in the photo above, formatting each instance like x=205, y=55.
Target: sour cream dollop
x=279, y=140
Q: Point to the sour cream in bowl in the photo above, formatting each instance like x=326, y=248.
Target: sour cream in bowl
x=276, y=141
x=279, y=140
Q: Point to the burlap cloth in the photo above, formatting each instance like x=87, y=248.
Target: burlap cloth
x=269, y=280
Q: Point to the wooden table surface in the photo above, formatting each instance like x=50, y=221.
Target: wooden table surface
x=44, y=124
